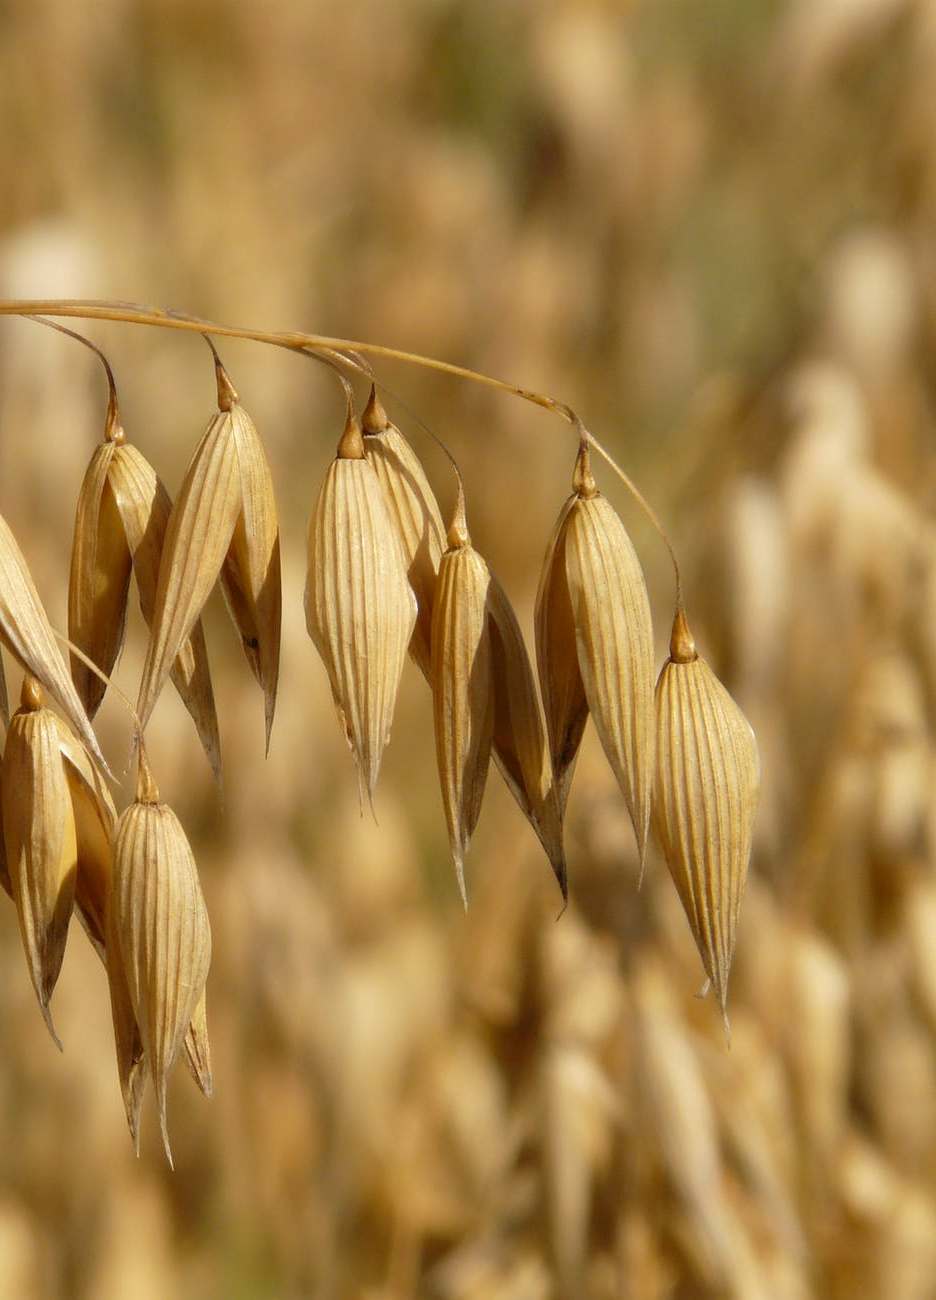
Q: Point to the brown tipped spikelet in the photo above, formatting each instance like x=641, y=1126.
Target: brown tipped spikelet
x=120, y=524
x=519, y=739
x=705, y=798
x=224, y=515
x=415, y=512
x=462, y=686
x=594, y=643
x=40, y=838
x=359, y=607
x=27, y=634
x=161, y=928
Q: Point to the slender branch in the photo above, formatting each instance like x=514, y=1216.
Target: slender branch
x=350, y=351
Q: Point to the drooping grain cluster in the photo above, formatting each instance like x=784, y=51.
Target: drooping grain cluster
x=385, y=576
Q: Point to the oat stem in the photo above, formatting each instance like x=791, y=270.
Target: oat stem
x=351, y=350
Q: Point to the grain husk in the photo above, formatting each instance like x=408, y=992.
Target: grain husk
x=462, y=686
x=360, y=609
x=707, y=785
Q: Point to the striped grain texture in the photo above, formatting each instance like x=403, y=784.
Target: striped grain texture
x=462, y=687
x=705, y=798
x=360, y=609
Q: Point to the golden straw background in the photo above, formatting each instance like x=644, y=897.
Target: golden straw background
x=709, y=228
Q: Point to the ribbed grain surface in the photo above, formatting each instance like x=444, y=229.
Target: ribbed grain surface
x=414, y=510
x=27, y=634
x=39, y=833
x=707, y=783
x=199, y=531
x=359, y=607
x=163, y=932
x=614, y=640
x=251, y=573
x=145, y=507
x=98, y=581
x=462, y=694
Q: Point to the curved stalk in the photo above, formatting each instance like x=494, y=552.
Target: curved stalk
x=351, y=351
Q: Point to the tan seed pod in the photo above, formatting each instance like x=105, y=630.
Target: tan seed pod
x=99, y=580
x=144, y=507
x=251, y=574
x=359, y=607
x=161, y=926
x=40, y=838
x=519, y=740
x=561, y=684
x=705, y=798
x=614, y=641
x=415, y=512
x=462, y=686
x=27, y=634
x=198, y=534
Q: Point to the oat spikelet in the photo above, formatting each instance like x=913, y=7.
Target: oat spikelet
x=561, y=684
x=519, y=739
x=198, y=1050
x=251, y=574
x=705, y=798
x=462, y=686
x=594, y=646
x=99, y=580
x=359, y=607
x=161, y=926
x=27, y=634
x=198, y=534
x=415, y=512
x=40, y=838
x=144, y=507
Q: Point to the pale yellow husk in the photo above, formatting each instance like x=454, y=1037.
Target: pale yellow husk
x=162, y=929
x=415, y=512
x=705, y=798
x=27, y=634
x=198, y=534
x=41, y=842
x=519, y=738
x=614, y=642
x=462, y=688
x=98, y=581
x=251, y=574
x=144, y=507
x=359, y=607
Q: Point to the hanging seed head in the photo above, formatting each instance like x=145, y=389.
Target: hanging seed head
x=413, y=508
x=27, y=634
x=359, y=607
x=161, y=927
x=519, y=739
x=144, y=507
x=227, y=487
x=99, y=580
x=40, y=838
x=462, y=686
x=705, y=798
x=595, y=646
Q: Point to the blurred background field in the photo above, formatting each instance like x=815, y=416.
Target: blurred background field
x=710, y=229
